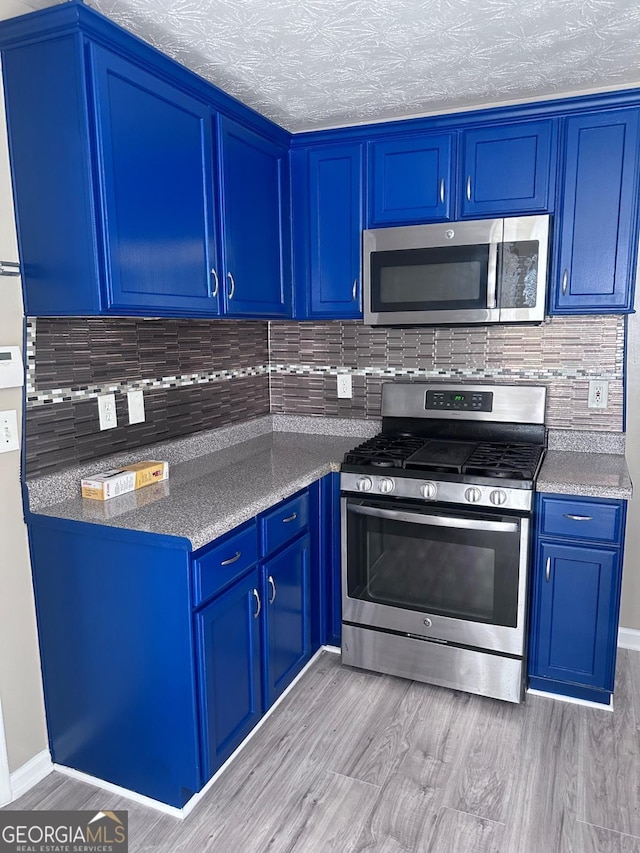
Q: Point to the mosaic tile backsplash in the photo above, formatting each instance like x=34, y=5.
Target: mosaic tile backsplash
x=202, y=374
x=195, y=375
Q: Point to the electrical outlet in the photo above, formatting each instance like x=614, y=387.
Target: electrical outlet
x=9, y=431
x=598, y=394
x=135, y=401
x=107, y=411
x=345, y=386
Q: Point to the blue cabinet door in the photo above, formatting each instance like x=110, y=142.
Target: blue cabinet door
x=287, y=616
x=229, y=645
x=327, y=203
x=154, y=152
x=575, y=615
x=411, y=180
x=255, y=220
x=506, y=170
x=596, y=232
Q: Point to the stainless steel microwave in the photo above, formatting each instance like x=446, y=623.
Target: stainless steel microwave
x=484, y=271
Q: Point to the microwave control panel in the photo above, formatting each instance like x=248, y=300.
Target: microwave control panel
x=474, y=401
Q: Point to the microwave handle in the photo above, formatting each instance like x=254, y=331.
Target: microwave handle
x=492, y=276
x=436, y=520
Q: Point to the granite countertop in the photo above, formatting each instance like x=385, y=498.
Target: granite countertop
x=211, y=494
x=597, y=475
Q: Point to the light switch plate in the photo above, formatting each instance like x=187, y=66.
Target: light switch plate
x=9, y=431
x=135, y=401
x=107, y=411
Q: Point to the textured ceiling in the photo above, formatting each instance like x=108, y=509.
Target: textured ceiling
x=316, y=63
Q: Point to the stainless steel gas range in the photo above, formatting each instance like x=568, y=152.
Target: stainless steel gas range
x=436, y=515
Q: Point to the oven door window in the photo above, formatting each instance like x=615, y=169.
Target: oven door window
x=449, y=564
x=432, y=279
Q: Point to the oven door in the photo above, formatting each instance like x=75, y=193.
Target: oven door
x=456, y=576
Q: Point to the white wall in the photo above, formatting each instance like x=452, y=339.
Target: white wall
x=20, y=676
x=630, y=615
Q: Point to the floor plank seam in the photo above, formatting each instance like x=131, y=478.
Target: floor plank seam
x=608, y=829
x=470, y=814
x=354, y=779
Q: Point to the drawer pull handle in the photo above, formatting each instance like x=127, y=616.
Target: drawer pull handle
x=232, y=289
x=547, y=571
x=215, y=278
x=274, y=592
x=354, y=290
x=257, y=597
x=291, y=517
x=442, y=191
x=233, y=559
x=565, y=281
x=578, y=517
x=469, y=188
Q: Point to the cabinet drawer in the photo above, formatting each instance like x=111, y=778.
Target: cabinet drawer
x=220, y=566
x=283, y=522
x=590, y=520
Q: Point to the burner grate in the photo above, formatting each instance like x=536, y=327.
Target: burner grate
x=504, y=460
x=384, y=451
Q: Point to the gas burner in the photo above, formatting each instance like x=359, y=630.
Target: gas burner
x=384, y=451
x=515, y=461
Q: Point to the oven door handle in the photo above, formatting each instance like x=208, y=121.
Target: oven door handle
x=436, y=520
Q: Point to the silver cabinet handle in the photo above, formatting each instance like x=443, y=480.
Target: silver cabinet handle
x=442, y=190
x=233, y=559
x=468, y=187
x=291, y=517
x=354, y=290
x=257, y=597
x=547, y=571
x=578, y=517
x=232, y=289
x=272, y=584
x=565, y=281
x=215, y=278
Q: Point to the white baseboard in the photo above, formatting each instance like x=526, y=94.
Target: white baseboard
x=25, y=777
x=120, y=792
x=629, y=638
x=572, y=700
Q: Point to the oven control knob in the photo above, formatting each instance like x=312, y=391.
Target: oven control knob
x=364, y=484
x=473, y=495
x=386, y=485
x=428, y=490
x=498, y=497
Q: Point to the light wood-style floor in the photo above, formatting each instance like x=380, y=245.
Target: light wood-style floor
x=352, y=761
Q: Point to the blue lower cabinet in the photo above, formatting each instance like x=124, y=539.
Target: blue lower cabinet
x=116, y=643
x=574, y=620
x=229, y=646
x=287, y=617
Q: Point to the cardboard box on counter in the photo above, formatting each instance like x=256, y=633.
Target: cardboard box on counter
x=119, y=481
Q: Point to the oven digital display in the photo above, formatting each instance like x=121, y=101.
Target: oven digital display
x=471, y=401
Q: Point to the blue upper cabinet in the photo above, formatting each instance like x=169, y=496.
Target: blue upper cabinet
x=327, y=226
x=411, y=179
x=506, y=170
x=120, y=204
x=154, y=152
x=255, y=214
x=596, y=229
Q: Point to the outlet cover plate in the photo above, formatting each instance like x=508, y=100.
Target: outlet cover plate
x=345, y=386
x=107, y=411
x=9, y=431
x=598, y=394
